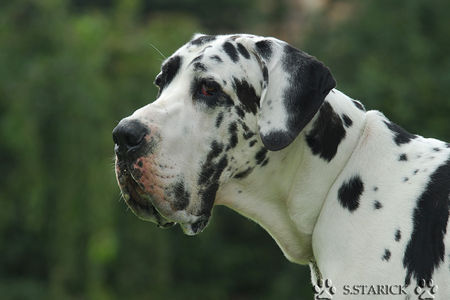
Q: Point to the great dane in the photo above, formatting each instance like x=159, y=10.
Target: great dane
x=254, y=124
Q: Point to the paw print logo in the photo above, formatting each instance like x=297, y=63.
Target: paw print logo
x=324, y=290
x=426, y=289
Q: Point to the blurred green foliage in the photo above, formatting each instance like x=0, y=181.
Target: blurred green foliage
x=69, y=71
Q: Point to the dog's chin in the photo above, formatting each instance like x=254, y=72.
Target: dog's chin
x=140, y=204
x=196, y=227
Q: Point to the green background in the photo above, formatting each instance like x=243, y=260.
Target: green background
x=70, y=70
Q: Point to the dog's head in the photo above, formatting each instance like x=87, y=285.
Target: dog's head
x=224, y=102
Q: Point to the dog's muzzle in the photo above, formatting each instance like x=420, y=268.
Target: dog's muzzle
x=130, y=144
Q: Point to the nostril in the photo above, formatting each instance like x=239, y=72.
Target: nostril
x=134, y=138
x=128, y=134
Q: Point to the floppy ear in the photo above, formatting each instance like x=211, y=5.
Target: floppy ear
x=295, y=85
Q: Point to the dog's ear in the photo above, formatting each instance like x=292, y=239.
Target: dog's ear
x=295, y=85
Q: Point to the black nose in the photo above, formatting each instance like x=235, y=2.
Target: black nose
x=129, y=134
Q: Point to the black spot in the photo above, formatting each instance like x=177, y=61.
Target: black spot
x=347, y=121
x=436, y=149
x=232, y=129
x=416, y=171
x=247, y=95
x=265, y=74
x=375, y=188
x=403, y=157
x=387, y=255
x=219, y=119
x=326, y=134
x=231, y=51
x=426, y=249
x=264, y=48
x=398, y=235
x=216, y=58
x=248, y=135
x=405, y=179
x=140, y=164
x=261, y=155
x=377, y=204
x=200, y=67
x=209, y=183
x=401, y=136
x=244, y=173
x=359, y=105
x=169, y=71
x=203, y=39
x=240, y=112
x=216, y=149
x=182, y=196
x=447, y=145
x=349, y=193
x=243, y=51
x=252, y=143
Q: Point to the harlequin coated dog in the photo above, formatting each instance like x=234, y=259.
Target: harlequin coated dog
x=257, y=125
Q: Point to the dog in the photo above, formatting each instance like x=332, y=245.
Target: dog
x=257, y=125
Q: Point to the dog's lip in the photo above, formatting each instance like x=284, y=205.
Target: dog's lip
x=140, y=203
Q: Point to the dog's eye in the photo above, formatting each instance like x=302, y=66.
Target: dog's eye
x=208, y=89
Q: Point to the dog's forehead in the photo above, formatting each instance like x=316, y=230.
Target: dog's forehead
x=226, y=52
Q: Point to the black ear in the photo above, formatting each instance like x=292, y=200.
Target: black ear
x=295, y=88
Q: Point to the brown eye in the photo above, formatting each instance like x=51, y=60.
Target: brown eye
x=207, y=90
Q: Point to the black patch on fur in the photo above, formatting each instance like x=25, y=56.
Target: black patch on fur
x=349, y=193
x=208, y=190
x=436, y=149
x=200, y=67
x=264, y=48
x=377, y=204
x=203, y=39
x=243, y=51
x=252, y=143
x=219, y=119
x=240, y=112
x=232, y=129
x=347, y=121
x=375, y=188
x=426, y=249
x=181, y=196
x=247, y=95
x=244, y=173
x=359, y=105
x=416, y=171
x=265, y=74
x=326, y=134
x=387, y=255
x=248, y=135
x=261, y=155
x=169, y=71
x=403, y=157
x=401, y=136
x=398, y=235
x=216, y=58
x=405, y=179
x=231, y=51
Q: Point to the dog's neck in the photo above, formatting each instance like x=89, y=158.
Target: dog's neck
x=285, y=196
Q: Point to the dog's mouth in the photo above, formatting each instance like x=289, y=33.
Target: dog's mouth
x=140, y=202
